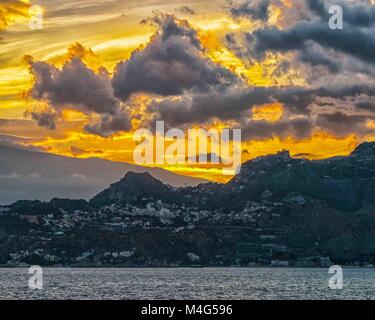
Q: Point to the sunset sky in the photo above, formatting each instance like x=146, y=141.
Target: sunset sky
x=99, y=70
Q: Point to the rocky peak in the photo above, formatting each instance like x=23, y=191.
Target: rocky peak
x=133, y=187
x=143, y=178
x=364, y=150
x=281, y=156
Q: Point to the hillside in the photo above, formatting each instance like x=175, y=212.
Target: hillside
x=303, y=213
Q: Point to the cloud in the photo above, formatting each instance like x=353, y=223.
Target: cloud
x=108, y=124
x=73, y=84
x=303, y=109
x=173, y=62
x=299, y=128
x=269, y=12
x=44, y=117
x=316, y=55
x=367, y=104
x=303, y=29
x=186, y=10
x=360, y=13
x=77, y=151
x=255, y=9
x=18, y=142
x=297, y=33
x=76, y=86
x=12, y=11
x=184, y=87
x=80, y=51
x=356, y=42
x=338, y=66
x=340, y=123
x=204, y=107
x=317, y=7
x=235, y=102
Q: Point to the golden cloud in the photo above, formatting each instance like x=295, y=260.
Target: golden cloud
x=269, y=112
x=13, y=11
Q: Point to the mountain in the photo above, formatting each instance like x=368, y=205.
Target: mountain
x=132, y=189
x=344, y=183
x=365, y=150
x=30, y=175
x=304, y=213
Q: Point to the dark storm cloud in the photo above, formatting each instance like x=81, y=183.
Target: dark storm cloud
x=252, y=9
x=169, y=26
x=360, y=13
x=76, y=86
x=172, y=62
x=317, y=56
x=44, y=118
x=366, y=104
x=317, y=7
x=109, y=124
x=235, y=104
x=299, y=128
x=192, y=89
x=359, y=43
x=341, y=124
x=203, y=107
x=356, y=14
x=310, y=38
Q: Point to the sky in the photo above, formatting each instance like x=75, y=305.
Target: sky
x=100, y=70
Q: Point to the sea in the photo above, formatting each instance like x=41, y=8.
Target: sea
x=186, y=283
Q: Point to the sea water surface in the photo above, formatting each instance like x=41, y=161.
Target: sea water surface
x=184, y=283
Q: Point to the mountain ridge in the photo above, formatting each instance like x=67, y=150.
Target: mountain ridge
x=130, y=188
x=303, y=213
x=345, y=183
x=30, y=175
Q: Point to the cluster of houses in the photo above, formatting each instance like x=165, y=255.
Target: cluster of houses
x=265, y=243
